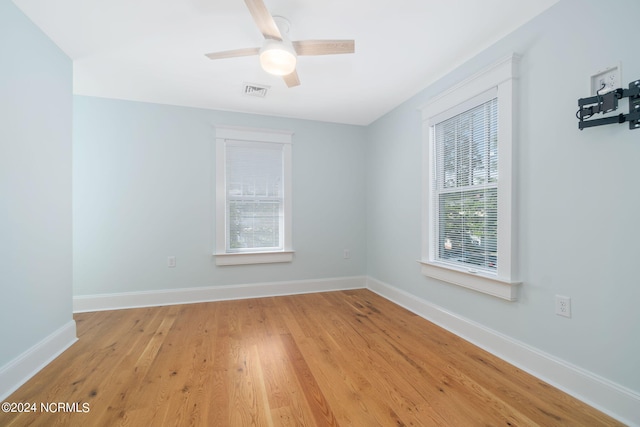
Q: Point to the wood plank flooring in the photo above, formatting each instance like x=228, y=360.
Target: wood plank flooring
x=347, y=358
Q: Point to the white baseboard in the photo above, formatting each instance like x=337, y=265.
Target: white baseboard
x=23, y=367
x=117, y=301
x=607, y=396
x=604, y=395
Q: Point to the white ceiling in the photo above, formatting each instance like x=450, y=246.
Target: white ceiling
x=153, y=50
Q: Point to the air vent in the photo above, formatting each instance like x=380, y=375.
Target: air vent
x=252, y=89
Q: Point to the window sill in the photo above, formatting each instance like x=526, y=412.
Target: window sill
x=480, y=281
x=253, y=258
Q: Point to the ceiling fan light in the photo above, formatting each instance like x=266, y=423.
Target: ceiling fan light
x=277, y=58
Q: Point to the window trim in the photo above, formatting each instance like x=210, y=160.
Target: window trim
x=232, y=133
x=500, y=77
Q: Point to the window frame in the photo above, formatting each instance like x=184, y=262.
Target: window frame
x=500, y=77
x=251, y=136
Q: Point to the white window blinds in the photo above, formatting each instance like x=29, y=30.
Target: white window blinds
x=466, y=187
x=254, y=196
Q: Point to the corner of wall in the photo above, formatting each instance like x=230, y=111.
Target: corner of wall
x=29, y=363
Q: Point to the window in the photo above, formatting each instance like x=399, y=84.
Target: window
x=253, y=196
x=465, y=187
x=468, y=234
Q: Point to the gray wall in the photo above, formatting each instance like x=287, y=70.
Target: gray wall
x=143, y=190
x=577, y=194
x=35, y=185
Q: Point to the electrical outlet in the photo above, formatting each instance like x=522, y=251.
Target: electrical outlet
x=563, y=306
x=347, y=254
x=171, y=261
x=606, y=80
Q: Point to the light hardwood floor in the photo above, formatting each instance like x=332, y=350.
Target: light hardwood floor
x=348, y=358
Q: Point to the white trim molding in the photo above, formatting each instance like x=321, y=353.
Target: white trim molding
x=29, y=363
x=494, y=82
x=253, y=134
x=116, y=301
x=226, y=138
x=476, y=280
x=242, y=258
x=611, y=398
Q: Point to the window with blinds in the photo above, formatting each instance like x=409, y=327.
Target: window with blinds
x=253, y=182
x=466, y=187
x=254, y=196
x=469, y=218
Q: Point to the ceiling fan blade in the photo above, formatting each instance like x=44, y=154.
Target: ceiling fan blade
x=292, y=79
x=324, y=47
x=263, y=19
x=233, y=53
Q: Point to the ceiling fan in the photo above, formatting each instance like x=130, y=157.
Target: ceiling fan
x=278, y=54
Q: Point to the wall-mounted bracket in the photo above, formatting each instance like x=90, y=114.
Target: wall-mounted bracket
x=609, y=102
